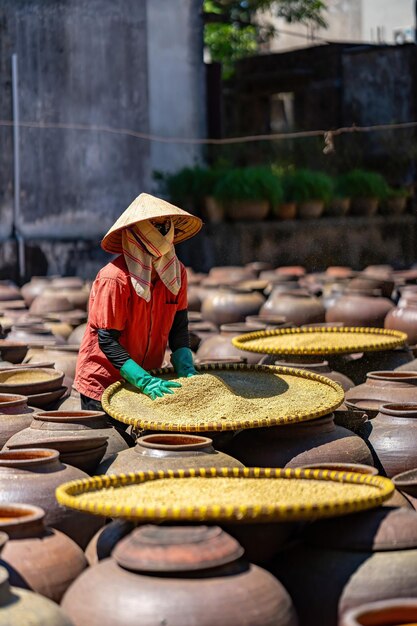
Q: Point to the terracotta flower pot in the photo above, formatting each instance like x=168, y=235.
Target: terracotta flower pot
x=364, y=206
x=315, y=441
x=350, y=560
x=286, y=211
x=55, y=425
x=38, y=558
x=247, y=210
x=229, y=305
x=31, y=477
x=394, y=206
x=167, y=451
x=15, y=415
x=154, y=567
x=19, y=607
x=398, y=612
x=338, y=207
x=311, y=209
x=382, y=387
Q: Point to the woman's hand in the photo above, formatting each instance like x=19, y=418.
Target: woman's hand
x=151, y=386
x=182, y=360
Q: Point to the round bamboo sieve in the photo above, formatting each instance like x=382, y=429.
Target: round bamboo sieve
x=295, y=396
x=260, y=495
x=320, y=341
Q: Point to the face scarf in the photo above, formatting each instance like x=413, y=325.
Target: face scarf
x=145, y=247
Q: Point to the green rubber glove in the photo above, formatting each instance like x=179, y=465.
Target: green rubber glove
x=182, y=360
x=150, y=385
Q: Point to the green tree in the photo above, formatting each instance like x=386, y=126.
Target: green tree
x=234, y=29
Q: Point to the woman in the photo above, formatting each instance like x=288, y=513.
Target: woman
x=138, y=304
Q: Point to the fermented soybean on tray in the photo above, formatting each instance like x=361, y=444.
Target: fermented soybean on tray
x=227, y=397
x=320, y=341
x=242, y=495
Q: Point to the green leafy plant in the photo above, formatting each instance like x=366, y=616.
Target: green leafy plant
x=189, y=186
x=397, y=193
x=304, y=185
x=249, y=183
x=361, y=184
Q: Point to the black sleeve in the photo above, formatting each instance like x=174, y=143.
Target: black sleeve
x=178, y=335
x=108, y=340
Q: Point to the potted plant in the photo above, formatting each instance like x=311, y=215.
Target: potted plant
x=287, y=208
x=366, y=190
x=395, y=201
x=339, y=203
x=248, y=193
x=309, y=189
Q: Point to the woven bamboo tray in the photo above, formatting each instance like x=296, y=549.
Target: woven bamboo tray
x=296, y=395
x=320, y=341
x=263, y=495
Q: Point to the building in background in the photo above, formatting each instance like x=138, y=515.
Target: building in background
x=93, y=64
x=366, y=21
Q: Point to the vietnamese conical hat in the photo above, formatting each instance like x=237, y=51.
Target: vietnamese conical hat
x=147, y=207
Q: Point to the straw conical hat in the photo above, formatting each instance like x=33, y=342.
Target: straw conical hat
x=147, y=207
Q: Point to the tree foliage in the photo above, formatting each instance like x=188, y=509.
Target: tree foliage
x=236, y=28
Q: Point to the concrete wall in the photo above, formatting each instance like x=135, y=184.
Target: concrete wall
x=176, y=80
x=82, y=62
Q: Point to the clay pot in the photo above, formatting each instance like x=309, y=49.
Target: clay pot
x=199, y=332
x=404, y=318
x=19, y=607
x=392, y=436
x=374, y=280
x=350, y=560
x=34, y=288
x=59, y=329
x=77, y=296
x=382, y=387
x=311, y=209
x=49, y=304
x=186, y=575
x=30, y=381
x=319, y=367
x=34, y=335
x=258, y=266
x=67, y=282
x=167, y=451
x=398, y=612
x=247, y=210
x=194, y=297
x=315, y=441
x=297, y=308
x=228, y=305
x=77, y=335
x=357, y=366
x=101, y=545
x=31, y=477
x=406, y=483
x=55, y=425
x=9, y=292
x=219, y=346
x=63, y=357
x=269, y=322
x=291, y=270
x=12, y=351
x=364, y=206
x=15, y=415
x=356, y=309
x=55, y=560
x=231, y=274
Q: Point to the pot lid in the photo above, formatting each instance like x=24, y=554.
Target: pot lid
x=382, y=529
x=176, y=549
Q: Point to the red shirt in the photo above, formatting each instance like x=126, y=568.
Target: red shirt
x=144, y=326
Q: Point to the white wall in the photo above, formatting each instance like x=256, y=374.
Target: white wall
x=176, y=85
x=389, y=15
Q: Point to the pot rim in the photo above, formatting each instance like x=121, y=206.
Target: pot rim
x=402, y=609
x=402, y=375
x=162, y=442
x=67, y=416
x=14, y=399
x=20, y=514
x=28, y=457
x=404, y=479
x=398, y=409
x=360, y=468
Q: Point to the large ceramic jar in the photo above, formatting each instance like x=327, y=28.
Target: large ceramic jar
x=393, y=437
x=357, y=366
x=314, y=441
x=77, y=335
x=167, y=451
x=219, y=346
x=368, y=282
x=350, y=560
x=385, y=613
x=15, y=415
x=228, y=305
x=31, y=477
x=19, y=607
x=319, y=367
x=64, y=424
x=38, y=558
x=181, y=576
x=63, y=357
x=231, y=273
x=49, y=303
x=34, y=288
x=382, y=387
x=404, y=318
x=297, y=307
x=357, y=309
